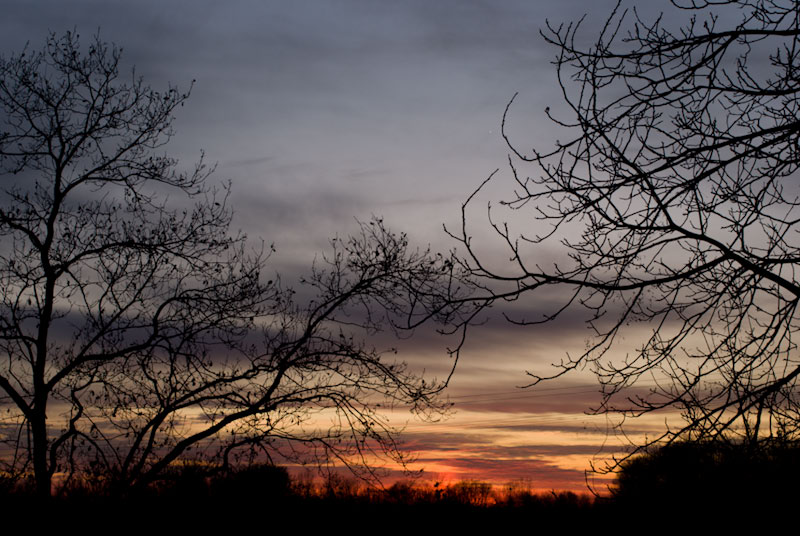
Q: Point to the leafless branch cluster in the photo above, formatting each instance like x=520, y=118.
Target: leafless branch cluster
x=676, y=197
x=135, y=330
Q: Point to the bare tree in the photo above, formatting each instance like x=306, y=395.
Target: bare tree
x=135, y=328
x=675, y=195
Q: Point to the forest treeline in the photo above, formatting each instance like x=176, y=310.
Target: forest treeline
x=252, y=498
x=705, y=477
x=191, y=482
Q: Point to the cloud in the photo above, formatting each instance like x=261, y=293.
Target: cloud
x=574, y=429
x=540, y=473
x=485, y=446
x=246, y=162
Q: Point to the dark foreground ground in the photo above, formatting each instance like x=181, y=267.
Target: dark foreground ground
x=297, y=514
x=250, y=507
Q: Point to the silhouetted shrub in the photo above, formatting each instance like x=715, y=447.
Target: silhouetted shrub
x=10, y=485
x=470, y=492
x=711, y=473
x=403, y=492
x=517, y=494
x=258, y=482
x=185, y=481
x=83, y=486
x=338, y=486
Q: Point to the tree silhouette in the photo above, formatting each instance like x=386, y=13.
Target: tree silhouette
x=135, y=330
x=715, y=474
x=674, y=195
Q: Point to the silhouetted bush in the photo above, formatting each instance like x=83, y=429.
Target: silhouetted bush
x=187, y=480
x=341, y=487
x=10, y=485
x=711, y=473
x=404, y=492
x=254, y=483
x=470, y=492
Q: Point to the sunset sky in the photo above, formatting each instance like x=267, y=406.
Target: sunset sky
x=322, y=113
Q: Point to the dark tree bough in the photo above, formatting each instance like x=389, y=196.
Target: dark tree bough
x=136, y=331
x=681, y=172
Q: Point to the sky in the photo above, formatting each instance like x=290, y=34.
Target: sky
x=324, y=113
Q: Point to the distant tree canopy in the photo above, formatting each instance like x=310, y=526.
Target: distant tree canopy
x=711, y=473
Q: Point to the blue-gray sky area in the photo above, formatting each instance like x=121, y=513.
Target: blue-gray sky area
x=324, y=112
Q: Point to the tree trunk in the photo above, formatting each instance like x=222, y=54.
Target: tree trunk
x=41, y=472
